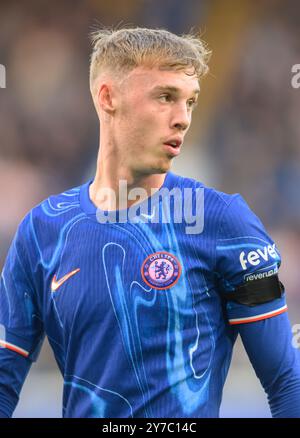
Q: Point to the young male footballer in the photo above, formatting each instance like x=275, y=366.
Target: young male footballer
x=142, y=279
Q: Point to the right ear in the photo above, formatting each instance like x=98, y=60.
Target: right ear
x=105, y=98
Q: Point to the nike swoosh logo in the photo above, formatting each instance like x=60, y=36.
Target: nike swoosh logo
x=149, y=216
x=55, y=284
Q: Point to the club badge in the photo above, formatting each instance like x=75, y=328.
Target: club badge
x=161, y=270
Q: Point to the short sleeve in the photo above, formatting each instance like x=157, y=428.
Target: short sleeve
x=20, y=320
x=245, y=252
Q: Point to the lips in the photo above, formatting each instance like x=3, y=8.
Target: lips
x=174, y=142
x=172, y=150
x=172, y=146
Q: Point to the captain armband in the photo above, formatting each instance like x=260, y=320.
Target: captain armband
x=257, y=292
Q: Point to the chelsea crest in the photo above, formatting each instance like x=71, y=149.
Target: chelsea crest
x=161, y=270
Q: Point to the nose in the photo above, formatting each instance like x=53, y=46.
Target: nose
x=181, y=117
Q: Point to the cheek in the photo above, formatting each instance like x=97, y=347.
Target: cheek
x=141, y=124
x=152, y=121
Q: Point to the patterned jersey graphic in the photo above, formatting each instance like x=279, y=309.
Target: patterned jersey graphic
x=133, y=311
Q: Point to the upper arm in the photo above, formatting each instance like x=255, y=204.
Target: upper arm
x=20, y=316
x=245, y=252
x=21, y=328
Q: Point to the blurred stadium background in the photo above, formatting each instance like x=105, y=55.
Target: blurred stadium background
x=245, y=135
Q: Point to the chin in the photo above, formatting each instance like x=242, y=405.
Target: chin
x=163, y=166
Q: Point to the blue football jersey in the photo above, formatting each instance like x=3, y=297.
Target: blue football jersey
x=134, y=310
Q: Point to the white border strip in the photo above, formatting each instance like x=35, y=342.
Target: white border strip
x=4, y=344
x=258, y=317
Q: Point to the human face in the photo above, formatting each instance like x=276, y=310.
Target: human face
x=154, y=110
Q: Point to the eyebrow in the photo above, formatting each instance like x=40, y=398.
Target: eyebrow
x=172, y=89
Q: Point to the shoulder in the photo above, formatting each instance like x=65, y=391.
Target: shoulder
x=52, y=211
x=211, y=194
x=224, y=213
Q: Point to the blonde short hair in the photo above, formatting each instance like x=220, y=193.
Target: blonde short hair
x=120, y=51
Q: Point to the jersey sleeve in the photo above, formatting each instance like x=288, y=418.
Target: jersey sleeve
x=245, y=252
x=21, y=328
x=276, y=364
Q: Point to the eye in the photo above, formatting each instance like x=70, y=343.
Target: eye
x=165, y=97
x=192, y=103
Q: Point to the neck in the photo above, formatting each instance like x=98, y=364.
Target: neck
x=113, y=182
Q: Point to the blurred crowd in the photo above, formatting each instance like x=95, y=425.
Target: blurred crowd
x=48, y=131
x=256, y=136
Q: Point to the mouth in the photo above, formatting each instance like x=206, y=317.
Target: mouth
x=173, y=146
